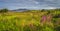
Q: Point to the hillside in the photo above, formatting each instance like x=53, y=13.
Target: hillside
x=31, y=20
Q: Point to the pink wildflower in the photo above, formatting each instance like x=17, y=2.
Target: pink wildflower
x=44, y=19
x=49, y=17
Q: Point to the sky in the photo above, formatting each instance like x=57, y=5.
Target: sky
x=30, y=4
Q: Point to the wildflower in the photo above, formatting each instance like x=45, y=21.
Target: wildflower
x=49, y=17
x=43, y=19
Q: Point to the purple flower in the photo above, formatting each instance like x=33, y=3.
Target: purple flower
x=44, y=18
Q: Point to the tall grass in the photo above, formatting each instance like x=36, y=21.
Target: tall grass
x=29, y=21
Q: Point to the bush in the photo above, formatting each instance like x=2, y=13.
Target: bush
x=3, y=10
x=42, y=10
x=57, y=28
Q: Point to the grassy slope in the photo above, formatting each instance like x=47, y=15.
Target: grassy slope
x=22, y=21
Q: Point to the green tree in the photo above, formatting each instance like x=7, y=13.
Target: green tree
x=42, y=10
x=3, y=10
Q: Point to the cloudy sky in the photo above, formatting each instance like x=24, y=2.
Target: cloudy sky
x=30, y=4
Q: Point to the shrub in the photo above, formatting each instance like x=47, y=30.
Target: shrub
x=42, y=10
x=3, y=10
x=57, y=28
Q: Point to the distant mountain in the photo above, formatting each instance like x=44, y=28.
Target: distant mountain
x=20, y=10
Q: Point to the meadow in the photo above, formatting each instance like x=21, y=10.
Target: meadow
x=31, y=20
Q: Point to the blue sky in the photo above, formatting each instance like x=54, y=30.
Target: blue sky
x=30, y=4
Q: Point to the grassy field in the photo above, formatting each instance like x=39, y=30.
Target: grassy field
x=34, y=20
